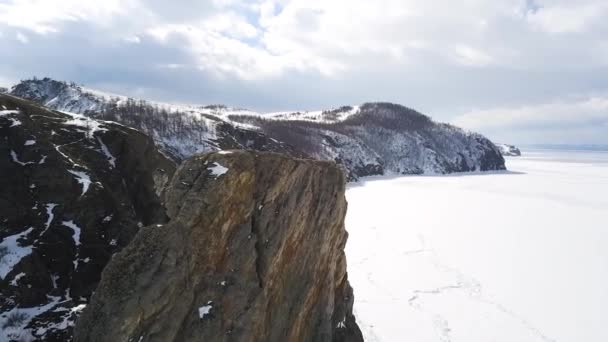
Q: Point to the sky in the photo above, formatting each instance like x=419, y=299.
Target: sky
x=518, y=71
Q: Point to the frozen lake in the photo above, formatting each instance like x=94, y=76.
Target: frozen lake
x=515, y=257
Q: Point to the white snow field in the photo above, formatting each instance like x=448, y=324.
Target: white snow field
x=504, y=257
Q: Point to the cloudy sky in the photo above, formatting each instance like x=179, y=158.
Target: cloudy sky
x=520, y=71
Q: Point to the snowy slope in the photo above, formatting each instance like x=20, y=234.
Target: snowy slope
x=370, y=139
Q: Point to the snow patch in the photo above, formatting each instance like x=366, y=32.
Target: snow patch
x=15, y=281
x=16, y=331
x=15, y=122
x=106, y=152
x=76, y=229
x=217, y=169
x=224, y=152
x=205, y=310
x=91, y=126
x=82, y=178
x=8, y=112
x=76, y=237
x=50, y=216
x=15, y=158
x=11, y=252
x=29, y=142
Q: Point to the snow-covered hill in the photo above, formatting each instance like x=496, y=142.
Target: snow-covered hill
x=370, y=139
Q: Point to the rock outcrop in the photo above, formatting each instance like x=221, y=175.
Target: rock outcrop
x=508, y=150
x=254, y=251
x=74, y=191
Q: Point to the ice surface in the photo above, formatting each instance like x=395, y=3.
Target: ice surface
x=517, y=256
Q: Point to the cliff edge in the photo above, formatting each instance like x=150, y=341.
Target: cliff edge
x=254, y=251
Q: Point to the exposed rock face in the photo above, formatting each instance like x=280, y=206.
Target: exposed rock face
x=509, y=150
x=370, y=139
x=253, y=252
x=74, y=191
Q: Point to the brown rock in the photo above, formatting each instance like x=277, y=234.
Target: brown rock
x=254, y=251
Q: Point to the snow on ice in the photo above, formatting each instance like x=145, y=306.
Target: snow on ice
x=514, y=256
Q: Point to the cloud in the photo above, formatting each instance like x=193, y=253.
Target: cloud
x=560, y=113
x=559, y=119
x=568, y=16
x=437, y=56
x=42, y=16
x=22, y=38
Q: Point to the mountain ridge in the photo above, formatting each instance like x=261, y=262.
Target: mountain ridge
x=369, y=139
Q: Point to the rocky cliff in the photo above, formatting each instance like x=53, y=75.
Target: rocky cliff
x=254, y=251
x=74, y=191
x=370, y=139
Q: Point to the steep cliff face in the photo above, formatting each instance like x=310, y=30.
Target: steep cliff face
x=253, y=252
x=74, y=191
x=370, y=139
